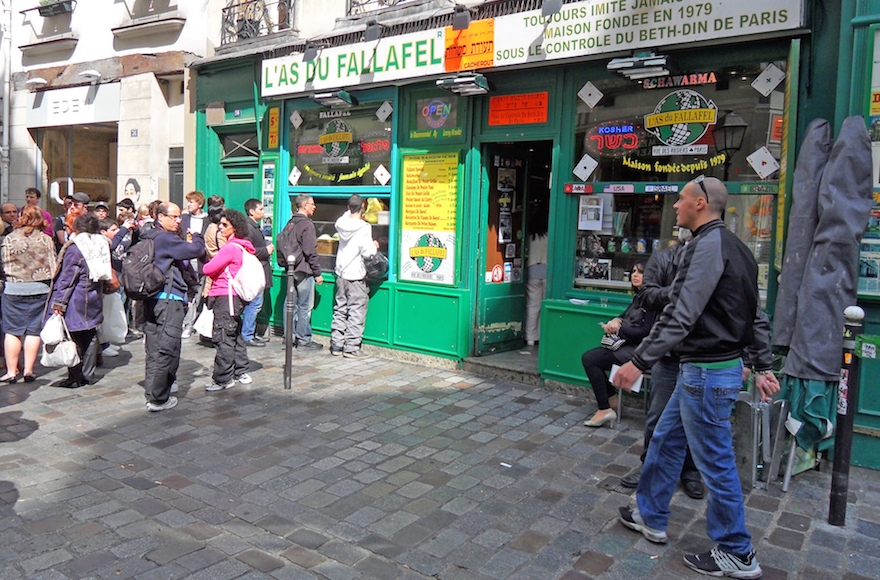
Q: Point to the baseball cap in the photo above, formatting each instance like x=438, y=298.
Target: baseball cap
x=102, y=204
x=81, y=197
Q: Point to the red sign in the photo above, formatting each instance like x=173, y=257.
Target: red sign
x=578, y=188
x=518, y=109
x=497, y=273
x=614, y=139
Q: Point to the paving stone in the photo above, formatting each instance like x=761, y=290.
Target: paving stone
x=260, y=560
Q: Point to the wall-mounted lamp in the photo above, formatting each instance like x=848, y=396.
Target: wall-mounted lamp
x=35, y=83
x=461, y=18
x=466, y=85
x=642, y=65
x=550, y=7
x=728, y=134
x=91, y=75
x=374, y=31
x=311, y=52
x=335, y=99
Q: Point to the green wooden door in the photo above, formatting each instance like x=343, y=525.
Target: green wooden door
x=511, y=174
x=240, y=184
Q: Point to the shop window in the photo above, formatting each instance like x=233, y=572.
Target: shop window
x=347, y=147
x=636, y=157
x=239, y=145
x=329, y=209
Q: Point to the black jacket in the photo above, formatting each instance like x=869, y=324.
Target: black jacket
x=255, y=235
x=714, y=312
x=636, y=321
x=304, y=230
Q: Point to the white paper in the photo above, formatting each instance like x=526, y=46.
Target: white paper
x=590, y=94
x=768, y=80
x=585, y=167
x=590, y=213
x=383, y=112
x=296, y=119
x=636, y=386
x=294, y=176
x=382, y=175
x=763, y=162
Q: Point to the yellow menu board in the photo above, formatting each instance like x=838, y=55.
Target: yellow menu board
x=430, y=192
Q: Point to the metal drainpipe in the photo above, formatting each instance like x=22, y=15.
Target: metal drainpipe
x=7, y=95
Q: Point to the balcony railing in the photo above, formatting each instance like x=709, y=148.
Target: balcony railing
x=356, y=7
x=248, y=19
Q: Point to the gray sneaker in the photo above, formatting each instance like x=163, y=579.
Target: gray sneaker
x=720, y=563
x=216, y=387
x=633, y=520
x=359, y=353
x=175, y=387
x=244, y=379
x=169, y=404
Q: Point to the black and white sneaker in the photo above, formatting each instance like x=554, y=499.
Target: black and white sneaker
x=633, y=520
x=719, y=563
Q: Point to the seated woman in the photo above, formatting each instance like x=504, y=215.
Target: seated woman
x=632, y=326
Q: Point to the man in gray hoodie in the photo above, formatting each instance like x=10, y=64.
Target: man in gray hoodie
x=352, y=292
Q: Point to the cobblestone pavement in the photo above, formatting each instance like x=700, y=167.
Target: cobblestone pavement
x=366, y=469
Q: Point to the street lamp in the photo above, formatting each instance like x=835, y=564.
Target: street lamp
x=728, y=136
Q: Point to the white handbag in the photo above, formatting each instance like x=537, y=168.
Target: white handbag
x=62, y=354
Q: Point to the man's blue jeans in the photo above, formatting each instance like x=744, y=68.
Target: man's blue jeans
x=302, y=310
x=698, y=414
x=249, y=317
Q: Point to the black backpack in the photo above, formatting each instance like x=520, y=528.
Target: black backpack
x=288, y=245
x=140, y=277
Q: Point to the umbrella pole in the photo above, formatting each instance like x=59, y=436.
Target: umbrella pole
x=847, y=397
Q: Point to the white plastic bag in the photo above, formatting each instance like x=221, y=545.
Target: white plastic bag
x=204, y=324
x=53, y=330
x=115, y=327
x=62, y=354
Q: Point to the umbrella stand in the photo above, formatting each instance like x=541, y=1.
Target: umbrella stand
x=846, y=409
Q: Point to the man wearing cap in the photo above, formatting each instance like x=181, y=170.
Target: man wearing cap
x=102, y=210
x=32, y=196
x=124, y=204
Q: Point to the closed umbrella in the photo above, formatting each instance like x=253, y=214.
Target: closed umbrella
x=828, y=286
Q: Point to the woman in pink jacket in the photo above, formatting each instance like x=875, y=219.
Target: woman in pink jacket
x=231, y=358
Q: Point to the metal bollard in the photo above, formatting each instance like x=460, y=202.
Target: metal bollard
x=288, y=323
x=847, y=396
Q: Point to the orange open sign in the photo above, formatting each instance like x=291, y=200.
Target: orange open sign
x=521, y=109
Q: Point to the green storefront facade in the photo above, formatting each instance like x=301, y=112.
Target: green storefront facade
x=461, y=181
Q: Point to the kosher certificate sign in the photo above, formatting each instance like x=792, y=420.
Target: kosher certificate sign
x=601, y=26
x=429, y=206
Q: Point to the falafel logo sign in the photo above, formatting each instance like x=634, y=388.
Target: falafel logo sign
x=429, y=202
x=679, y=120
x=335, y=141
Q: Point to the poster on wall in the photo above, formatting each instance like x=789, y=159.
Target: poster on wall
x=268, y=198
x=590, y=213
x=429, y=205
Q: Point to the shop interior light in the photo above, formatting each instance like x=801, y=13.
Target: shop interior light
x=335, y=99
x=642, y=65
x=374, y=31
x=466, y=85
x=550, y=7
x=35, y=83
x=461, y=18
